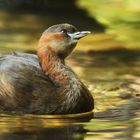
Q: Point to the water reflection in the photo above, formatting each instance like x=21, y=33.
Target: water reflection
x=117, y=103
x=39, y=128
x=60, y=133
x=115, y=85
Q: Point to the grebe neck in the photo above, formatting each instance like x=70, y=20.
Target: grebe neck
x=54, y=67
x=70, y=88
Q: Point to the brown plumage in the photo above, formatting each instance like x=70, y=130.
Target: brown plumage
x=44, y=84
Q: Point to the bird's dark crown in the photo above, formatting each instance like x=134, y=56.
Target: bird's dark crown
x=62, y=27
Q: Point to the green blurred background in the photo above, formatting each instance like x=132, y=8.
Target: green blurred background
x=114, y=23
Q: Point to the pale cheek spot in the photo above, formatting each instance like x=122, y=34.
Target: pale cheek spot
x=58, y=43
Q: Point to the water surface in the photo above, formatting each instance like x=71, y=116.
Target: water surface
x=113, y=78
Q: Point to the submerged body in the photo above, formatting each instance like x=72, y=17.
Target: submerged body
x=42, y=84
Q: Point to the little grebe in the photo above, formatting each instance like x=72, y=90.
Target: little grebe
x=44, y=84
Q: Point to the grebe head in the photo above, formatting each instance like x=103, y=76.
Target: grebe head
x=61, y=39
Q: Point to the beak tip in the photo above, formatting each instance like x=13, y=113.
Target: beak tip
x=86, y=32
x=81, y=34
x=89, y=32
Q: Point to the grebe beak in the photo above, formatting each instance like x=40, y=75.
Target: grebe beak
x=78, y=35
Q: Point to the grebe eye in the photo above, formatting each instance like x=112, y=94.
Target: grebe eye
x=64, y=31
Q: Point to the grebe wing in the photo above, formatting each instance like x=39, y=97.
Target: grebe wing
x=22, y=82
